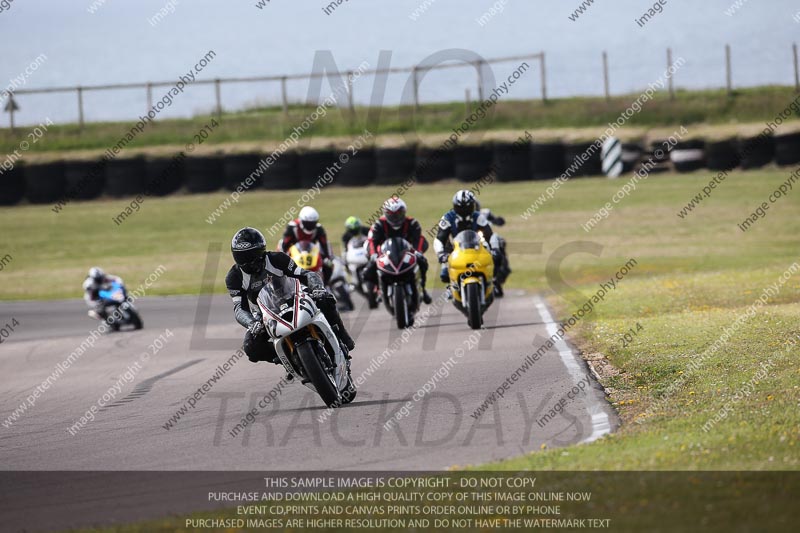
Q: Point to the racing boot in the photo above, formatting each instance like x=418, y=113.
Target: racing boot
x=344, y=337
x=498, y=289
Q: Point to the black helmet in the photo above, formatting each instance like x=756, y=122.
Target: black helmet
x=464, y=203
x=249, y=248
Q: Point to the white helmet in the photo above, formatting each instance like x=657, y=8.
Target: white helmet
x=97, y=274
x=309, y=218
x=394, y=209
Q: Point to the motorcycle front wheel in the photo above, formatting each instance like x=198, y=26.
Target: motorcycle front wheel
x=401, y=312
x=473, y=304
x=312, y=364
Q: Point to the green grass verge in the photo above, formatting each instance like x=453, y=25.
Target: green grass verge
x=269, y=126
x=694, y=277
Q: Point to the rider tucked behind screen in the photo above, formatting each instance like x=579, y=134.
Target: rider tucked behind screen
x=306, y=227
x=463, y=217
x=353, y=228
x=94, y=282
x=254, y=266
x=395, y=223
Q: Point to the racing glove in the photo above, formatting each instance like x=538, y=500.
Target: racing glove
x=256, y=328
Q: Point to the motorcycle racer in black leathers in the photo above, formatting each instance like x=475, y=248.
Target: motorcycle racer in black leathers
x=462, y=217
x=253, y=267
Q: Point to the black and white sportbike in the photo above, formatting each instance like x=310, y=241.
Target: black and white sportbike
x=304, y=341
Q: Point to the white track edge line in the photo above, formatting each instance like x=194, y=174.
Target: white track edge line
x=601, y=424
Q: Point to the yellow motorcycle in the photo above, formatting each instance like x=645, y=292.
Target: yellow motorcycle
x=307, y=255
x=471, y=270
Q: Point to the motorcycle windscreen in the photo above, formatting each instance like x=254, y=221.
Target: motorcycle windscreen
x=278, y=293
x=306, y=255
x=395, y=249
x=468, y=240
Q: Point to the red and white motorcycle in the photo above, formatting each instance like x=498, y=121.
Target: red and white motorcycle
x=399, y=277
x=304, y=341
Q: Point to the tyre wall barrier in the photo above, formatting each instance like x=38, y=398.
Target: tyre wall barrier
x=45, y=183
x=163, y=176
x=237, y=168
x=787, y=149
x=86, y=180
x=512, y=161
x=203, y=173
x=723, y=155
x=547, y=160
x=313, y=164
x=125, y=177
x=659, y=154
x=12, y=190
x=434, y=164
x=472, y=163
x=688, y=156
x=282, y=173
x=358, y=170
x=394, y=165
x=593, y=165
x=757, y=151
x=631, y=155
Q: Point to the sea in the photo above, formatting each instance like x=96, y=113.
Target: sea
x=98, y=42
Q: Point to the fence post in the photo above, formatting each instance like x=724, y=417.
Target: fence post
x=11, y=102
x=416, y=87
x=349, y=83
x=605, y=76
x=544, y=77
x=149, y=96
x=796, y=69
x=467, y=101
x=670, y=81
x=728, y=74
x=479, y=67
x=80, y=107
x=284, y=97
x=218, y=94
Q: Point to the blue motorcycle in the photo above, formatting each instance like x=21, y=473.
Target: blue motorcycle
x=118, y=309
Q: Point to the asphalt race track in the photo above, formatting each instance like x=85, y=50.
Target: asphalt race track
x=292, y=432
